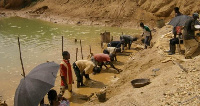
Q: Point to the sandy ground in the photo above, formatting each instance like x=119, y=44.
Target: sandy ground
x=177, y=83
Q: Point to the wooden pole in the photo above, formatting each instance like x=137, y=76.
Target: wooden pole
x=75, y=40
x=81, y=50
x=90, y=49
x=21, y=59
x=76, y=53
x=111, y=38
x=62, y=44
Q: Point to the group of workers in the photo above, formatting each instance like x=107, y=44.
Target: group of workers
x=83, y=68
x=189, y=40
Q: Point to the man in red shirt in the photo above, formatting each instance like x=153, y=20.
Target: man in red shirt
x=99, y=59
x=65, y=73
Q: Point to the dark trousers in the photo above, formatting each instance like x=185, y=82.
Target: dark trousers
x=125, y=45
x=147, y=41
x=174, y=41
x=172, y=45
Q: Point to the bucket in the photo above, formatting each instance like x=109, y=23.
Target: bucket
x=101, y=96
x=160, y=23
x=105, y=37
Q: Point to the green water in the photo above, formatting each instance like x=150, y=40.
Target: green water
x=41, y=42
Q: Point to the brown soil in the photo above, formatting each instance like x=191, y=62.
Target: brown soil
x=125, y=13
x=176, y=82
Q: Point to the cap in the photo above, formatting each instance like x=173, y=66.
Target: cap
x=195, y=15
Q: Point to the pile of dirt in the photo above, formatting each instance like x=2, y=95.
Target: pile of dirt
x=126, y=13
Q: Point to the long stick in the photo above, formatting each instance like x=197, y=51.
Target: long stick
x=90, y=49
x=62, y=44
x=76, y=53
x=21, y=58
x=81, y=50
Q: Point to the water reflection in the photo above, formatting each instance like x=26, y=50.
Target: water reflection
x=41, y=42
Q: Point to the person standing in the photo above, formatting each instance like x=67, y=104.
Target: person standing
x=66, y=73
x=147, y=34
x=190, y=42
x=83, y=68
x=175, y=40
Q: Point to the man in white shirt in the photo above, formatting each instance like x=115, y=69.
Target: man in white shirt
x=83, y=68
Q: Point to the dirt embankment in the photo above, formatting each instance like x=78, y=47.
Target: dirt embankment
x=175, y=83
x=106, y=12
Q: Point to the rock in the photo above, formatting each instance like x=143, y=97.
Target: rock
x=40, y=10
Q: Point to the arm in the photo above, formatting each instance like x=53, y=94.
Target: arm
x=88, y=69
x=142, y=34
x=192, y=26
x=62, y=75
x=150, y=36
x=194, y=29
x=104, y=65
x=114, y=67
x=63, y=79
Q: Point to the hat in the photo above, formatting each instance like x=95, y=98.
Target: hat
x=65, y=53
x=195, y=15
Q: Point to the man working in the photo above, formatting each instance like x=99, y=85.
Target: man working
x=116, y=44
x=66, y=73
x=99, y=59
x=147, y=34
x=111, y=51
x=190, y=42
x=83, y=68
x=127, y=40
